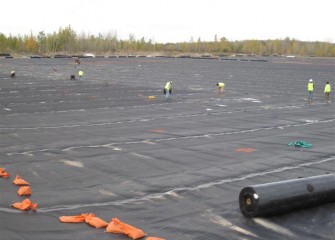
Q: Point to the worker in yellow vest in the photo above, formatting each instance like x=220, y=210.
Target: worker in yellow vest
x=310, y=88
x=220, y=86
x=81, y=74
x=327, y=91
x=168, y=90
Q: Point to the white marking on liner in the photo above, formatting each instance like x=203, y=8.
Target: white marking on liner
x=106, y=193
x=214, y=218
x=140, y=155
x=275, y=227
x=73, y=163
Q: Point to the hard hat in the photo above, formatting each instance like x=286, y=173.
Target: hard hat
x=310, y=80
x=171, y=82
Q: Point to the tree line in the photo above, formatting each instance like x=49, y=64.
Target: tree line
x=66, y=40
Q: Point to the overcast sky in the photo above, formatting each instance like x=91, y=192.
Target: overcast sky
x=175, y=20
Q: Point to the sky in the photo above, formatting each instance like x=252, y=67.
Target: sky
x=171, y=21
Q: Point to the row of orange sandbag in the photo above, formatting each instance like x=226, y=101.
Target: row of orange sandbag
x=24, y=190
x=18, y=181
x=115, y=226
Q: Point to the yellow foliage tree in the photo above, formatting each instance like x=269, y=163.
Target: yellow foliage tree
x=31, y=44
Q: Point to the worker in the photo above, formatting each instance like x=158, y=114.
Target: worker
x=77, y=62
x=310, y=88
x=327, y=91
x=12, y=74
x=81, y=74
x=168, y=90
x=220, y=86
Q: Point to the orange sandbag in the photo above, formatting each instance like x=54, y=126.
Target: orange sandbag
x=129, y=230
x=95, y=221
x=113, y=228
x=3, y=173
x=154, y=238
x=24, y=191
x=20, y=182
x=25, y=205
x=74, y=219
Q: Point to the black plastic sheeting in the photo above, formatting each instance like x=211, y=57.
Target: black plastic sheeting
x=286, y=196
x=171, y=168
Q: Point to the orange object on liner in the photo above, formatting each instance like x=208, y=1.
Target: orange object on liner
x=18, y=181
x=24, y=191
x=95, y=221
x=3, y=173
x=25, y=205
x=114, y=228
x=89, y=218
x=129, y=230
x=74, y=219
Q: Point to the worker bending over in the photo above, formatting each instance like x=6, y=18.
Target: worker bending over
x=168, y=90
x=220, y=86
